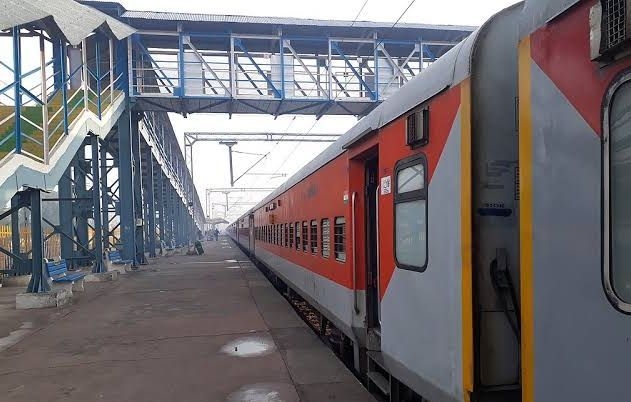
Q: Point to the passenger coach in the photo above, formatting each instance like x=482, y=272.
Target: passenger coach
x=470, y=236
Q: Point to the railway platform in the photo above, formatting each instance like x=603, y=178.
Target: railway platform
x=183, y=328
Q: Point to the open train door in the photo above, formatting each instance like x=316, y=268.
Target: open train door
x=364, y=183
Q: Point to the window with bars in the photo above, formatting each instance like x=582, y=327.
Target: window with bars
x=291, y=235
x=613, y=23
x=298, y=236
x=339, y=238
x=417, y=128
x=326, y=237
x=305, y=236
x=314, y=236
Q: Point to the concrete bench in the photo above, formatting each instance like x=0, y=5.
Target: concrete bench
x=116, y=262
x=58, y=273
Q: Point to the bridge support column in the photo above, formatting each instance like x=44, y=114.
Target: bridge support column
x=182, y=221
x=169, y=214
x=66, y=216
x=160, y=204
x=82, y=206
x=151, y=205
x=96, y=206
x=105, y=212
x=126, y=187
x=39, y=279
x=137, y=194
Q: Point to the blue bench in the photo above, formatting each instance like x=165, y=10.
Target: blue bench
x=116, y=259
x=58, y=273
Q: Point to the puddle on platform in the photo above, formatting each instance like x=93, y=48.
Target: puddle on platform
x=16, y=336
x=249, y=347
x=230, y=261
x=267, y=392
x=234, y=267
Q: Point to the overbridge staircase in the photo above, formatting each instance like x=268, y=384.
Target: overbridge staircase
x=42, y=153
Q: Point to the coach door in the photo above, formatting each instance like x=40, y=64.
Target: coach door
x=371, y=202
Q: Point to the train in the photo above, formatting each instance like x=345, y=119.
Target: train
x=469, y=237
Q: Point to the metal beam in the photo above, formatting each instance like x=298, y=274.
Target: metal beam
x=151, y=205
x=39, y=279
x=126, y=186
x=260, y=137
x=96, y=211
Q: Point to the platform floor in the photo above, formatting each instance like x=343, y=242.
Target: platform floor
x=184, y=328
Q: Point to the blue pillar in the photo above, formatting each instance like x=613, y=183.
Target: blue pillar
x=17, y=78
x=66, y=216
x=126, y=187
x=105, y=213
x=169, y=210
x=181, y=219
x=96, y=206
x=83, y=206
x=160, y=206
x=137, y=182
x=151, y=205
x=39, y=279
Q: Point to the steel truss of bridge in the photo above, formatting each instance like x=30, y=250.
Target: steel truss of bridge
x=189, y=63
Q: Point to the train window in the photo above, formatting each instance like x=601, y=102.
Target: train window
x=314, y=236
x=410, y=214
x=282, y=235
x=291, y=235
x=339, y=238
x=617, y=186
x=326, y=238
x=305, y=236
x=297, y=235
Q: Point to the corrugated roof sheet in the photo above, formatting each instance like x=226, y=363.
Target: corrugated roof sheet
x=244, y=19
x=66, y=17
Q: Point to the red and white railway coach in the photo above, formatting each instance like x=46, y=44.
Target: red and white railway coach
x=470, y=236
x=575, y=149
x=378, y=231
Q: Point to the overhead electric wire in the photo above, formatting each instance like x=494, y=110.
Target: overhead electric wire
x=359, y=13
x=315, y=122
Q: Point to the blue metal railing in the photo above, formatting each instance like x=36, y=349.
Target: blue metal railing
x=39, y=106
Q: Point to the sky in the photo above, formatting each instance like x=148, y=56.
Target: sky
x=211, y=166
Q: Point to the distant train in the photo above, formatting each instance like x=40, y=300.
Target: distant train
x=471, y=237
